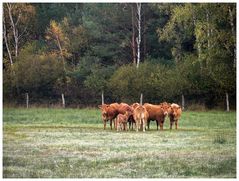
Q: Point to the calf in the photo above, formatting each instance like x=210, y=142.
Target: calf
x=155, y=113
x=174, y=113
x=121, y=121
x=123, y=107
x=109, y=112
x=141, y=116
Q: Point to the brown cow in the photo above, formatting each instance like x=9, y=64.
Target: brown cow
x=109, y=112
x=155, y=113
x=141, y=116
x=174, y=114
x=122, y=120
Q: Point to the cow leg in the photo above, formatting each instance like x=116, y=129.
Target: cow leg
x=157, y=125
x=176, y=124
x=111, y=124
x=161, y=125
x=171, y=124
x=104, y=124
x=129, y=124
x=144, y=125
x=115, y=123
x=137, y=126
x=118, y=126
x=148, y=124
x=126, y=127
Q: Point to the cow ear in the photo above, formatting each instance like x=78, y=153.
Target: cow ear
x=100, y=106
x=179, y=107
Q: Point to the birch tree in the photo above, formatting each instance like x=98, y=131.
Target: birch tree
x=138, y=40
x=17, y=21
x=56, y=36
x=7, y=41
x=133, y=46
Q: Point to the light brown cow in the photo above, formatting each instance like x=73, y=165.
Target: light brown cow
x=155, y=113
x=174, y=113
x=141, y=116
x=131, y=120
x=109, y=112
x=121, y=121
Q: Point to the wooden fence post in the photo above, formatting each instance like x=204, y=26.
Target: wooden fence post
x=63, y=100
x=183, y=102
x=102, y=98
x=27, y=100
x=227, y=102
x=141, y=99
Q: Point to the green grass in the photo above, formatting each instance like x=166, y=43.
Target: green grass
x=71, y=143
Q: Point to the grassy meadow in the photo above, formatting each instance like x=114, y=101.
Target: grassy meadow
x=71, y=143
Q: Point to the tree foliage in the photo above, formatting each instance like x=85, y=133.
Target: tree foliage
x=82, y=49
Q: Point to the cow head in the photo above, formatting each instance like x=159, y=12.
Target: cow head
x=104, y=109
x=174, y=110
x=165, y=108
x=128, y=113
x=135, y=105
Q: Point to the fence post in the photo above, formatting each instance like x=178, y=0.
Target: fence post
x=102, y=98
x=141, y=99
x=27, y=100
x=227, y=101
x=63, y=100
x=183, y=102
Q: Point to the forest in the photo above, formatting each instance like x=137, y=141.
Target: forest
x=174, y=52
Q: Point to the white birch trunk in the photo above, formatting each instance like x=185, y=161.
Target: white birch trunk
x=233, y=33
x=208, y=29
x=133, y=36
x=63, y=100
x=14, y=28
x=139, y=32
x=60, y=48
x=227, y=102
x=6, y=40
x=199, y=54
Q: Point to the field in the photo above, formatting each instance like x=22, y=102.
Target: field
x=71, y=143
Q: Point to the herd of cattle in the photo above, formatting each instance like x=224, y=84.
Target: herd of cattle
x=140, y=115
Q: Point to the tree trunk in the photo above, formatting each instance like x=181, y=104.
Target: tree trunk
x=133, y=36
x=102, y=98
x=63, y=100
x=141, y=99
x=14, y=28
x=183, y=102
x=208, y=29
x=139, y=32
x=227, y=102
x=60, y=48
x=199, y=55
x=233, y=32
x=144, y=39
x=27, y=100
x=6, y=40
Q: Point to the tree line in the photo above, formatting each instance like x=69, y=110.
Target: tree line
x=79, y=50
